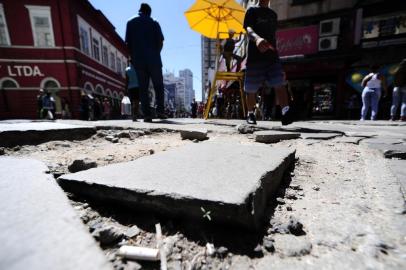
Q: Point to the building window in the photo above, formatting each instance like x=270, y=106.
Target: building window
x=96, y=49
x=4, y=36
x=41, y=25
x=112, y=61
x=84, y=40
x=105, y=56
x=118, y=65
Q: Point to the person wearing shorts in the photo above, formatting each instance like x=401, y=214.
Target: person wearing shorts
x=263, y=68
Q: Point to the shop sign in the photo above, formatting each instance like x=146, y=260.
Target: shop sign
x=24, y=71
x=298, y=41
x=384, y=26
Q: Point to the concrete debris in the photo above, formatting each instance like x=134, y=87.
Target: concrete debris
x=198, y=134
x=132, y=231
x=112, y=139
x=210, y=249
x=108, y=235
x=274, y=136
x=81, y=164
x=246, y=129
x=268, y=244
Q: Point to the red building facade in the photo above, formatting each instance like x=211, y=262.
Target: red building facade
x=64, y=46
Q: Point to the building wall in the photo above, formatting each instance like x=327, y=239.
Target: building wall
x=208, y=61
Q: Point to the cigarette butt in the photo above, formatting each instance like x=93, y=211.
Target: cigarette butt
x=139, y=253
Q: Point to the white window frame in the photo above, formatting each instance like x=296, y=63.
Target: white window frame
x=82, y=24
x=114, y=62
x=105, y=60
x=43, y=11
x=8, y=43
x=96, y=36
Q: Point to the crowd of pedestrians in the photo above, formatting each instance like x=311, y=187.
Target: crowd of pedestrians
x=265, y=85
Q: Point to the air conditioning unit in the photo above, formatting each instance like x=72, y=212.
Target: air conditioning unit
x=328, y=43
x=329, y=27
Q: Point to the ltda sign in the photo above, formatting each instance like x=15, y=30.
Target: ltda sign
x=24, y=71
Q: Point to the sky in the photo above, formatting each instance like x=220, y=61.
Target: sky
x=182, y=45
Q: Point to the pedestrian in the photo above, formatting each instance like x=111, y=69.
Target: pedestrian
x=40, y=96
x=106, y=109
x=193, y=105
x=263, y=63
x=373, y=84
x=144, y=39
x=399, y=92
x=84, y=106
x=133, y=90
x=48, y=106
x=65, y=109
x=228, y=50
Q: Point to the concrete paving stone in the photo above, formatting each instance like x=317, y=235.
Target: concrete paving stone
x=389, y=150
x=39, y=228
x=194, y=134
x=31, y=133
x=231, y=182
x=388, y=141
x=319, y=136
x=352, y=140
x=274, y=136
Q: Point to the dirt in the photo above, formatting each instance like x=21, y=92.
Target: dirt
x=339, y=207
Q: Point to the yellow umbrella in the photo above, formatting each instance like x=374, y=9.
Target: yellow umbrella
x=214, y=18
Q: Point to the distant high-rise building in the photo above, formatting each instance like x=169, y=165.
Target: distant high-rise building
x=187, y=75
x=208, y=61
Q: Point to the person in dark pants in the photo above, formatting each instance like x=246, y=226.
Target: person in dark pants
x=193, y=105
x=144, y=39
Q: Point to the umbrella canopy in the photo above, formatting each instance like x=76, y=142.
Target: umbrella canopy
x=214, y=18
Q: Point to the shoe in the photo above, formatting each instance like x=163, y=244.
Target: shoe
x=147, y=120
x=287, y=118
x=162, y=116
x=251, y=119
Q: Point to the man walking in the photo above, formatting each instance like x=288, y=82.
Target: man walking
x=144, y=39
x=263, y=63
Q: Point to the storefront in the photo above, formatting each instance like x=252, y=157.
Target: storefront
x=69, y=54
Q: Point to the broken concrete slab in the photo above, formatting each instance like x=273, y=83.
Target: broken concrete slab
x=389, y=150
x=194, y=134
x=274, y=136
x=351, y=140
x=12, y=134
x=319, y=136
x=39, y=228
x=221, y=182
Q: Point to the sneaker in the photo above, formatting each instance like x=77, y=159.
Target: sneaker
x=251, y=119
x=287, y=118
